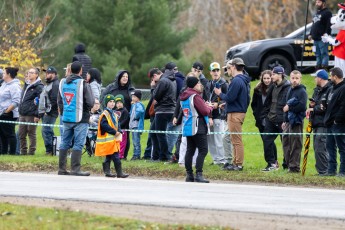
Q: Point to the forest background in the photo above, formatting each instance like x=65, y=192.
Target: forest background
x=136, y=34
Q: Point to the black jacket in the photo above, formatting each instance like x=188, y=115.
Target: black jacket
x=53, y=95
x=321, y=24
x=88, y=99
x=115, y=88
x=165, y=93
x=298, y=108
x=81, y=56
x=27, y=105
x=280, y=100
x=257, y=107
x=123, y=118
x=335, y=111
x=212, y=97
x=318, y=114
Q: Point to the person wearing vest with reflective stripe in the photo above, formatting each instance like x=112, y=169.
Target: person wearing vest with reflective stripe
x=109, y=136
x=195, y=127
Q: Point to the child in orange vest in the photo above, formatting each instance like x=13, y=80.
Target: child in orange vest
x=109, y=138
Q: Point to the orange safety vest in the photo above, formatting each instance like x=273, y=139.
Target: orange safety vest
x=106, y=143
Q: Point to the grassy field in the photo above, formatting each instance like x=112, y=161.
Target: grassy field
x=253, y=163
x=22, y=217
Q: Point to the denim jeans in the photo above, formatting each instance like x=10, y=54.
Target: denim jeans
x=172, y=138
x=331, y=144
x=136, y=143
x=321, y=53
x=148, y=150
x=48, y=132
x=160, y=139
x=76, y=132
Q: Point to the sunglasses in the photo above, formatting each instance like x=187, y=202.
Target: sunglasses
x=215, y=70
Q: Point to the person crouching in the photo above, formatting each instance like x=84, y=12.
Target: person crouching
x=195, y=127
x=108, y=138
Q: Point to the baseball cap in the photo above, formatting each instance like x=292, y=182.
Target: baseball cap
x=321, y=73
x=214, y=65
x=236, y=61
x=278, y=70
x=50, y=69
x=170, y=66
x=198, y=66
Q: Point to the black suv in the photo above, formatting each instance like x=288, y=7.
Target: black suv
x=287, y=52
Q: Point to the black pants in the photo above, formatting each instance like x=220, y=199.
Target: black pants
x=8, y=135
x=160, y=139
x=270, y=148
x=197, y=141
x=115, y=157
x=128, y=145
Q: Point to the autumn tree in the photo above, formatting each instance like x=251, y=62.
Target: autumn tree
x=22, y=34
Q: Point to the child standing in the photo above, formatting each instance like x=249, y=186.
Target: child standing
x=136, y=121
x=108, y=138
x=123, y=114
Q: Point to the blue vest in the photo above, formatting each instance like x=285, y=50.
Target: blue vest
x=72, y=97
x=190, y=117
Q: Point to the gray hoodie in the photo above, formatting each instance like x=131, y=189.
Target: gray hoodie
x=10, y=93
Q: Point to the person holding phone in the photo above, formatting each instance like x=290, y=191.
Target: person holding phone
x=217, y=124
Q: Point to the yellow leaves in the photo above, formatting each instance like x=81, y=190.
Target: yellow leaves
x=17, y=46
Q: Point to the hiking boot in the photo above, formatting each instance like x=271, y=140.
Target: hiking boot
x=328, y=174
x=269, y=168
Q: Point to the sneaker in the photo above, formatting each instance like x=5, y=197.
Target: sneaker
x=328, y=174
x=277, y=164
x=238, y=168
x=134, y=158
x=173, y=160
x=341, y=175
x=269, y=168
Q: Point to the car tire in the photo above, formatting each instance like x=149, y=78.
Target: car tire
x=272, y=61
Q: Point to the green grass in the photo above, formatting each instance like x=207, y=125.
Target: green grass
x=22, y=217
x=253, y=163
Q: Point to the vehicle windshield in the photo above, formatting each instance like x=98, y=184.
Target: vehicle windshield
x=299, y=33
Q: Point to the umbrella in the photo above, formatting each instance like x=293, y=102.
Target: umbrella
x=306, y=147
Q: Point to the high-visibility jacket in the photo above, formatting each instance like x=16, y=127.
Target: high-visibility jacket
x=106, y=143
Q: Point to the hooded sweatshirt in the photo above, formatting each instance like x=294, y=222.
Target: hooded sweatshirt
x=238, y=96
x=116, y=88
x=10, y=95
x=165, y=93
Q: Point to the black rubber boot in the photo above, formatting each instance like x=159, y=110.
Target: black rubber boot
x=63, y=162
x=190, y=177
x=106, y=169
x=199, y=178
x=118, y=168
x=75, y=164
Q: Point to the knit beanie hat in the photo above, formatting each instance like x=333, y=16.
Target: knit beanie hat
x=192, y=81
x=137, y=93
x=108, y=98
x=119, y=97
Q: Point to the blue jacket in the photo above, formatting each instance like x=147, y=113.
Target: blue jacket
x=296, y=100
x=238, y=96
x=137, y=115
